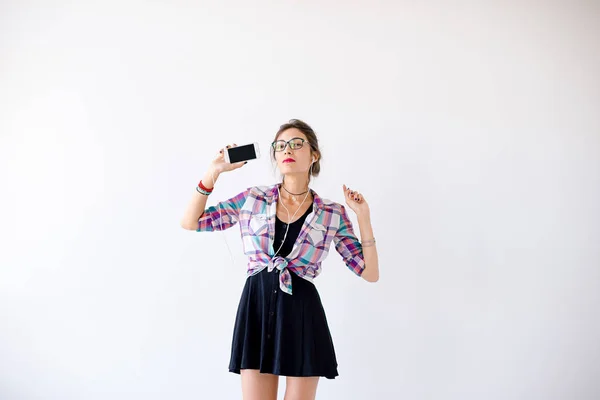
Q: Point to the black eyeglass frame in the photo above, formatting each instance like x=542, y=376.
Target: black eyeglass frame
x=287, y=143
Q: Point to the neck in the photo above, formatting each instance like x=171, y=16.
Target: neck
x=295, y=184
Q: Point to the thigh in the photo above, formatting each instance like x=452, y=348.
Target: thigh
x=257, y=386
x=301, y=388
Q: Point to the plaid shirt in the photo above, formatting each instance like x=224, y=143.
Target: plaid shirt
x=255, y=209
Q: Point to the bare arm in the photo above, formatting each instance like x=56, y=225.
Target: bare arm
x=357, y=202
x=371, y=272
x=197, y=204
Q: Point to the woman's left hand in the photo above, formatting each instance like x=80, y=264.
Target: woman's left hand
x=356, y=201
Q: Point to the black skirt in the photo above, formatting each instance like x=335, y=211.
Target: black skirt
x=282, y=334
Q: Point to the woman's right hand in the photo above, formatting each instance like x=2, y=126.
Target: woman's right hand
x=220, y=165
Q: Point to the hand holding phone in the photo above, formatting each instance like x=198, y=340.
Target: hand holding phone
x=233, y=157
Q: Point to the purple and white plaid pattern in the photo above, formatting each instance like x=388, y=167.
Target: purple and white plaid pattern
x=254, y=209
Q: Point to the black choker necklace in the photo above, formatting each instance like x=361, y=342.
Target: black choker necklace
x=293, y=194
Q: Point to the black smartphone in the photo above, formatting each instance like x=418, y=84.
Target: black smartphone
x=242, y=153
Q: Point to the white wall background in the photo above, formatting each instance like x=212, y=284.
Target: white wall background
x=472, y=129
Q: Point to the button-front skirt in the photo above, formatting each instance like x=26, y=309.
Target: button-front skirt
x=282, y=334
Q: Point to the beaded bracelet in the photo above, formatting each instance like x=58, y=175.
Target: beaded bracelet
x=202, y=191
x=201, y=186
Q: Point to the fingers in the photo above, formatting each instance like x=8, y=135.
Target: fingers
x=352, y=194
x=347, y=193
x=228, y=146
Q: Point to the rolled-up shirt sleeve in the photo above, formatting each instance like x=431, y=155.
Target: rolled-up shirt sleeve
x=348, y=245
x=223, y=215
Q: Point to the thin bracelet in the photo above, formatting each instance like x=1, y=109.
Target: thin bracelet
x=366, y=243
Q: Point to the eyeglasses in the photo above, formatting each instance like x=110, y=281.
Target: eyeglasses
x=295, y=144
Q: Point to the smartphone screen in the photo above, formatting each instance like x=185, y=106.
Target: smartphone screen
x=241, y=153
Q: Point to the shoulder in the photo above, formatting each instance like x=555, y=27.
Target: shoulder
x=262, y=191
x=261, y=194
x=331, y=206
x=334, y=214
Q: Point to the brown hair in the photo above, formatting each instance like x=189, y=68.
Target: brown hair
x=311, y=137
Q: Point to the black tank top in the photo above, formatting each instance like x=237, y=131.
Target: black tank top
x=292, y=235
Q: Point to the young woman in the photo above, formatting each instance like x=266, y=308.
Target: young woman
x=287, y=230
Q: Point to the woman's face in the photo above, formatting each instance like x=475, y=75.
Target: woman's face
x=293, y=160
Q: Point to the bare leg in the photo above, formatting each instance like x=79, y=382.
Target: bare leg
x=301, y=388
x=257, y=386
